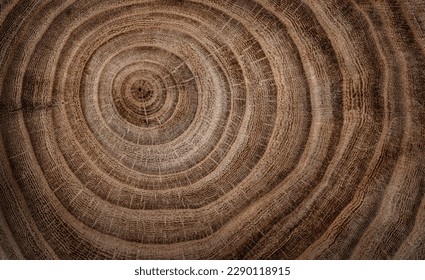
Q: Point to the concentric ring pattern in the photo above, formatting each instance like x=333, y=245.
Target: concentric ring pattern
x=212, y=129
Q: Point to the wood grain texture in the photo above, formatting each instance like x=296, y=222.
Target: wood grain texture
x=210, y=129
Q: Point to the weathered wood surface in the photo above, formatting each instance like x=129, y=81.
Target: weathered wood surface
x=212, y=129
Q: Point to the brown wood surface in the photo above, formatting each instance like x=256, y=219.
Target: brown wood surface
x=212, y=129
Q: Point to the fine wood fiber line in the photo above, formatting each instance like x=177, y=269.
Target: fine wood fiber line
x=210, y=129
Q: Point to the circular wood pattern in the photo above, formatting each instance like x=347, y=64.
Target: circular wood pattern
x=212, y=129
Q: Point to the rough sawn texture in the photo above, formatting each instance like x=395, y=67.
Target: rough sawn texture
x=236, y=129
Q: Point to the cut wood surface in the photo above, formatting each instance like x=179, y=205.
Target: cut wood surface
x=211, y=129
